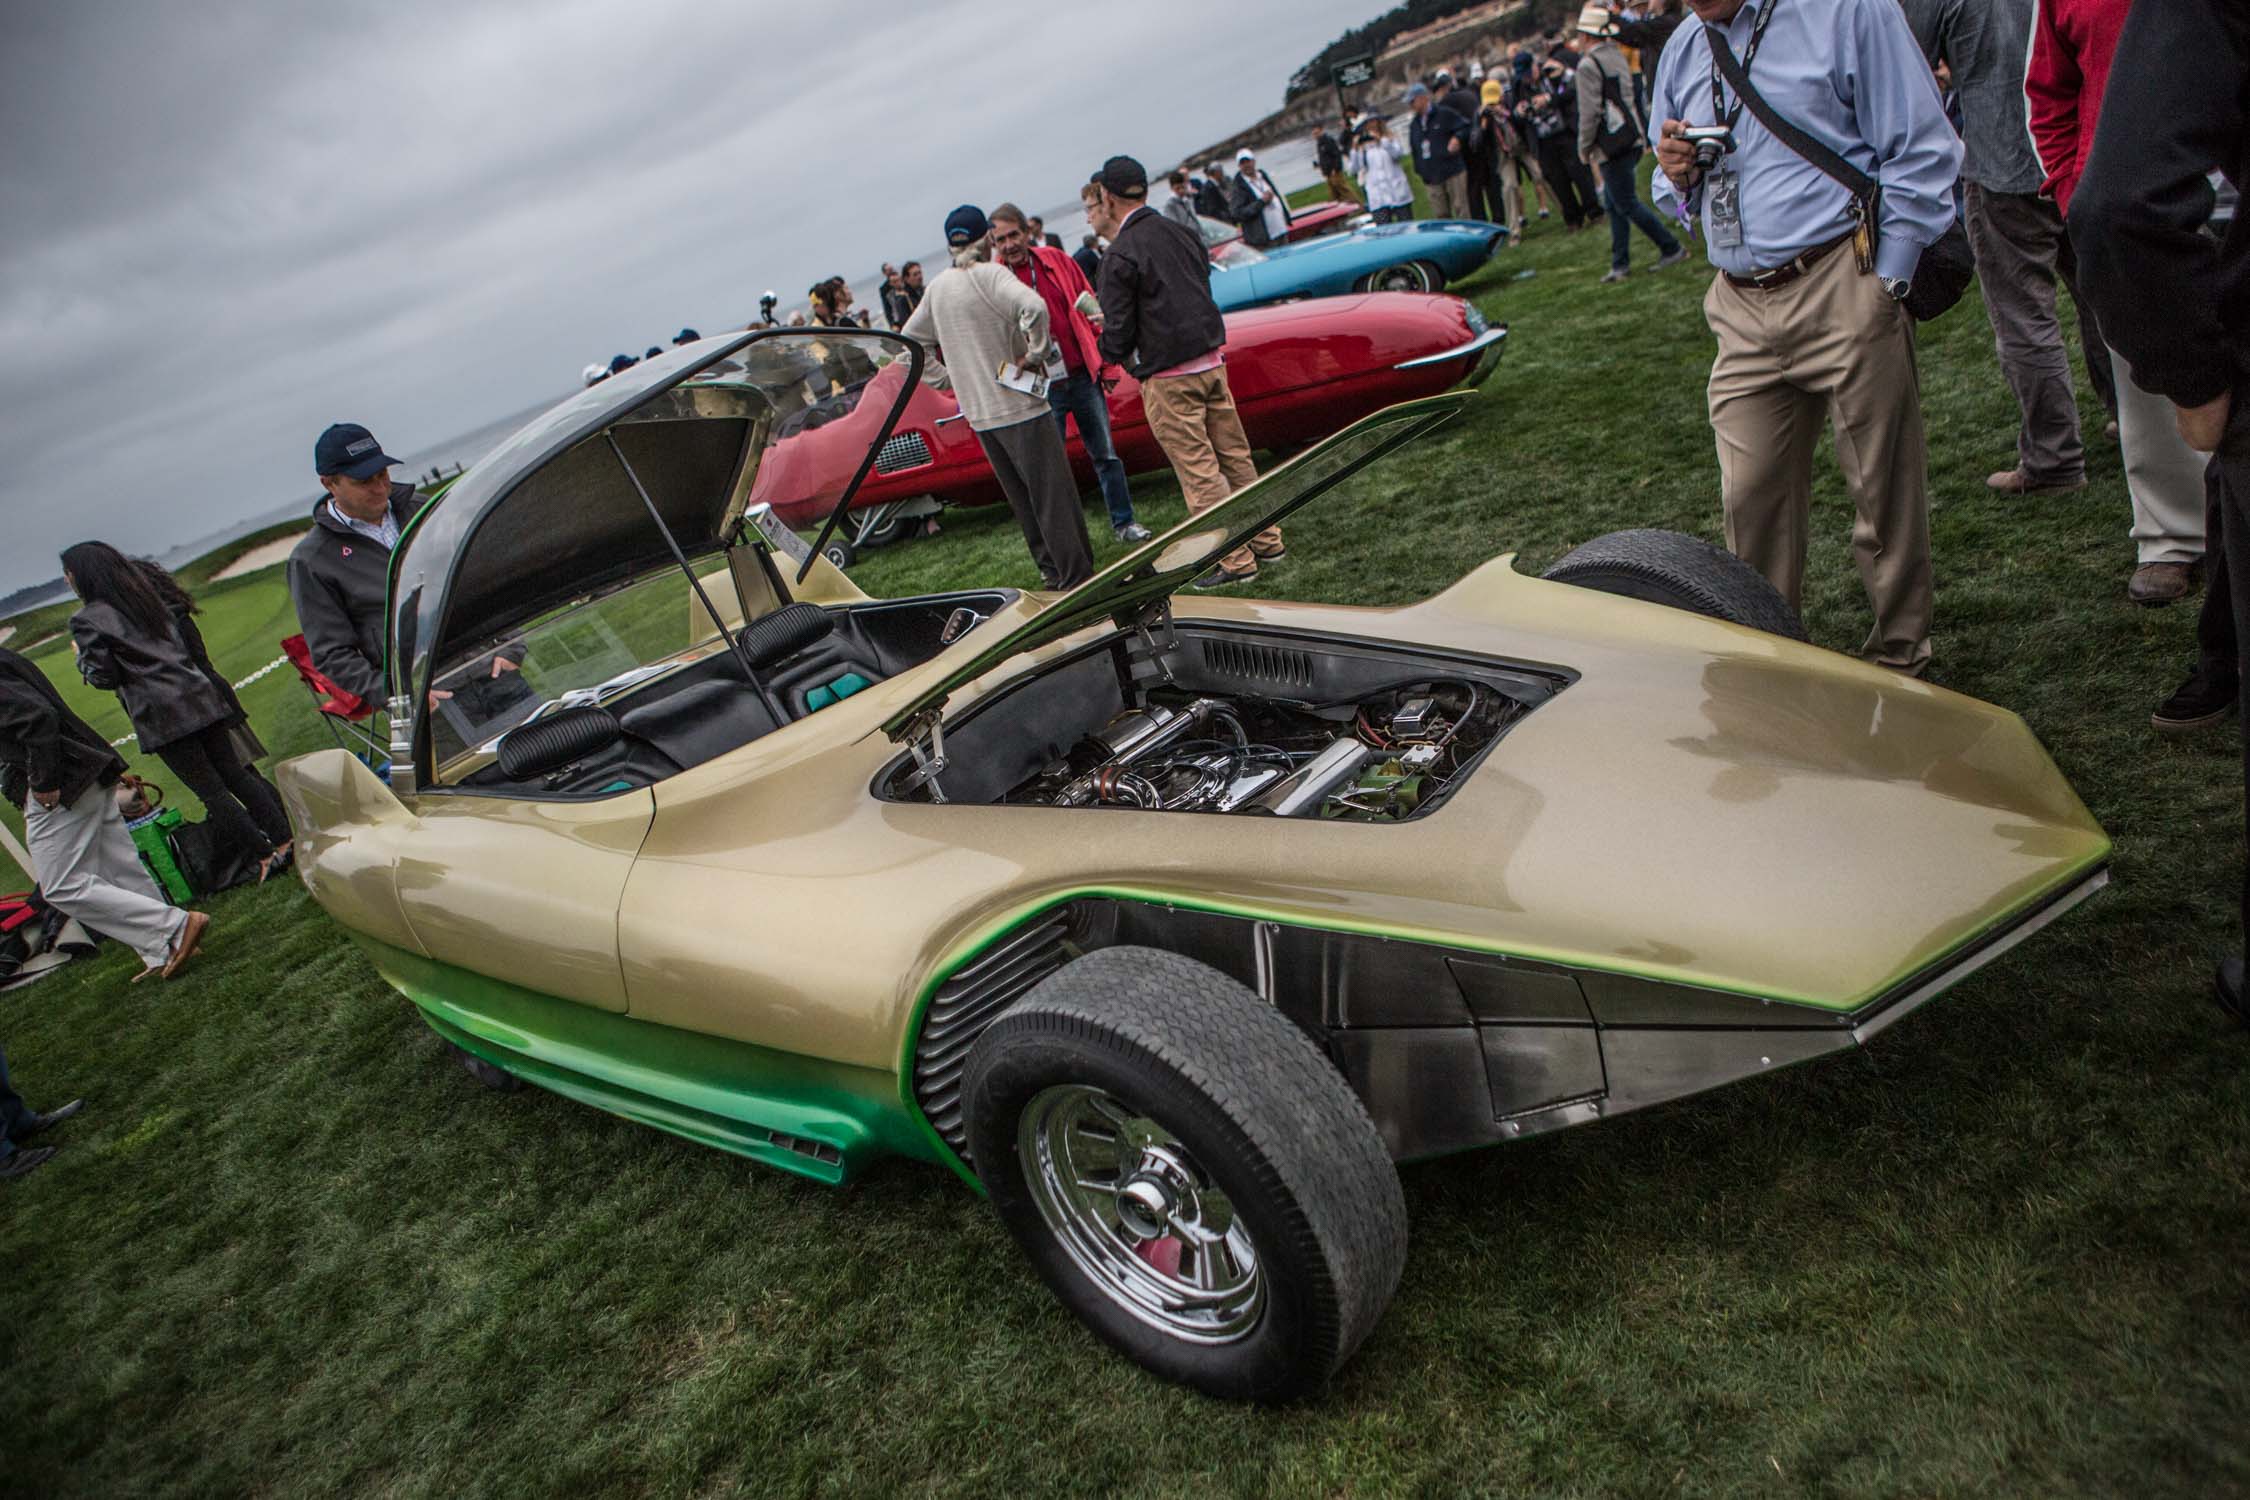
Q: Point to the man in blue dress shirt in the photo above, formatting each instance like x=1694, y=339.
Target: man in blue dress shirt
x=1805, y=331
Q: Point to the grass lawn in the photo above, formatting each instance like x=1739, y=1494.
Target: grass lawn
x=291, y=1249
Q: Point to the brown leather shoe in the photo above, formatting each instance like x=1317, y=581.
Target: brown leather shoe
x=2017, y=482
x=2157, y=584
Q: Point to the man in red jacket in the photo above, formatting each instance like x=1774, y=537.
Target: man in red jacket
x=2072, y=42
x=1078, y=382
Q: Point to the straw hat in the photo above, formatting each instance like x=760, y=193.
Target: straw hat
x=1594, y=20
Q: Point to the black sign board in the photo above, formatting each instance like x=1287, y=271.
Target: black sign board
x=1353, y=72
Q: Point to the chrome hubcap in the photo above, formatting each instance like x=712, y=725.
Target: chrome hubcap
x=1137, y=1217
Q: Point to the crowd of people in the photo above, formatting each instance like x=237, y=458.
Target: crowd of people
x=1839, y=160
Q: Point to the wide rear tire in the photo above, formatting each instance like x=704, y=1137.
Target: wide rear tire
x=1685, y=572
x=1188, y=1173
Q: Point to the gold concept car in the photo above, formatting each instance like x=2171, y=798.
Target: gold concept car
x=1171, y=923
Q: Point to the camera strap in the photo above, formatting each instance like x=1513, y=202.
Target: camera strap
x=1864, y=190
x=1718, y=39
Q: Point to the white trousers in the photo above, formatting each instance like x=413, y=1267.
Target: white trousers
x=2164, y=474
x=90, y=870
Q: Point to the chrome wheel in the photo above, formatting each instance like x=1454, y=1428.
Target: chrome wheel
x=1410, y=277
x=1138, y=1217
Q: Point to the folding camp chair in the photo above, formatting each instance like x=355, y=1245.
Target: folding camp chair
x=350, y=721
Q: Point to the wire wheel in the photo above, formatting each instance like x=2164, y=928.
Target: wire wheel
x=1140, y=1220
x=1413, y=276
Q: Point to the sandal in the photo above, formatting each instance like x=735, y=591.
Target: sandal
x=191, y=938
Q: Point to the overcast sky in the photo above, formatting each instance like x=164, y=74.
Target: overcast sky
x=224, y=226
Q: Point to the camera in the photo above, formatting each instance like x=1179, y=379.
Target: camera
x=1711, y=143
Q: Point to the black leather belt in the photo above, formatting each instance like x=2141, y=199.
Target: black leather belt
x=1782, y=275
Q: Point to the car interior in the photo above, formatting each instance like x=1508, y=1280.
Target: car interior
x=806, y=658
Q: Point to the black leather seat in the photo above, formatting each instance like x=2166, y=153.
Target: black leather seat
x=700, y=721
x=806, y=662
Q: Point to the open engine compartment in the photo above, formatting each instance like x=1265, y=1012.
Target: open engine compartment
x=1210, y=718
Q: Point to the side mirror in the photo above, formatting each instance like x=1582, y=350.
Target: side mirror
x=402, y=746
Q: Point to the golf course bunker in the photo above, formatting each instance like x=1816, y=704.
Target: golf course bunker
x=264, y=555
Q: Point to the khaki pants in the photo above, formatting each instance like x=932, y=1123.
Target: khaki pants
x=1831, y=344
x=1511, y=199
x=2164, y=476
x=1450, y=199
x=1195, y=422
x=1342, y=189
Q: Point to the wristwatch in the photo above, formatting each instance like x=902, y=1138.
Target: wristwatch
x=1897, y=287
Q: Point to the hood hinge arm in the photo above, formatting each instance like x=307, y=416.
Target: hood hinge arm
x=1148, y=649
x=925, y=741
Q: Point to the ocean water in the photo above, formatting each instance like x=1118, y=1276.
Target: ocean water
x=415, y=466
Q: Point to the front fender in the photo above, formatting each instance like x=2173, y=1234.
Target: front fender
x=349, y=828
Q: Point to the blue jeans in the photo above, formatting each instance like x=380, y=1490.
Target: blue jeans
x=1626, y=209
x=1081, y=396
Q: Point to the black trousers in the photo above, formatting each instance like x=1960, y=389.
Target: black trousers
x=1484, y=189
x=1034, y=473
x=1569, y=179
x=243, y=807
x=2225, y=618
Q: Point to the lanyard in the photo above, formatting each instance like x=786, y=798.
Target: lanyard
x=1719, y=113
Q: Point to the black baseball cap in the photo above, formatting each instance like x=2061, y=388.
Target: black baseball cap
x=1123, y=176
x=966, y=225
x=350, y=450
x=685, y=336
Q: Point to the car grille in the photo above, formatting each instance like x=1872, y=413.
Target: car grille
x=902, y=450
x=1270, y=664
x=967, y=1003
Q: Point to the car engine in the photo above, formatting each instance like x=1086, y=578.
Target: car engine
x=1378, y=758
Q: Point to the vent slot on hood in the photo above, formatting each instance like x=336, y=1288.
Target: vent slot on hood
x=1274, y=665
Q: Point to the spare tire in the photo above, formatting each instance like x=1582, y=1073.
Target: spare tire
x=1685, y=572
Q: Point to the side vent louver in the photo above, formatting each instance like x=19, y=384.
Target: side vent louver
x=901, y=450
x=967, y=1003
x=1270, y=664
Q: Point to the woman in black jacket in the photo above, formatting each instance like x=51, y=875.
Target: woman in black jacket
x=137, y=637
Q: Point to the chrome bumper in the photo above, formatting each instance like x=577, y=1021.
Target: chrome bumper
x=1485, y=349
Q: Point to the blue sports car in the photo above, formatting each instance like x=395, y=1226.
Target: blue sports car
x=1418, y=256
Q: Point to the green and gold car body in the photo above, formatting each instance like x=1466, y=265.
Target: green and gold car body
x=1683, y=851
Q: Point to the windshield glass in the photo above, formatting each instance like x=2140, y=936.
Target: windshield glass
x=571, y=517
x=1167, y=562
x=591, y=650
x=1225, y=244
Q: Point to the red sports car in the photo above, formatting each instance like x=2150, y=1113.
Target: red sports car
x=1299, y=371
x=1322, y=218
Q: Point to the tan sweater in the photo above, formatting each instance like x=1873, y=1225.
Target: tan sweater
x=982, y=317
